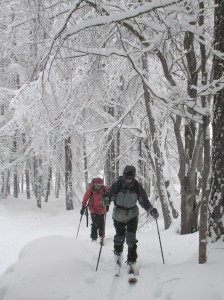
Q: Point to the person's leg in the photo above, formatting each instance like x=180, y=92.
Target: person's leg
x=131, y=240
x=94, y=227
x=101, y=226
x=119, y=237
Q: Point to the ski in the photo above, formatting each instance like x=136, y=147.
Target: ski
x=132, y=278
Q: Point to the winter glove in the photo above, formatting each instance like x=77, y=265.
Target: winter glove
x=105, y=201
x=82, y=211
x=153, y=212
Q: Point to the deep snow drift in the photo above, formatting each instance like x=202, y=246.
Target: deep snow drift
x=41, y=259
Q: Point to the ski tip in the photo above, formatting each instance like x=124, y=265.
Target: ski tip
x=132, y=280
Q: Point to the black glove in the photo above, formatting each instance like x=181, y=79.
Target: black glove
x=153, y=212
x=82, y=211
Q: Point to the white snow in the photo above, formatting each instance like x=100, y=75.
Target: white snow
x=40, y=259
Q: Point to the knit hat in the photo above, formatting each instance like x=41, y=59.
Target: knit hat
x=129, y=171
x=98, y=180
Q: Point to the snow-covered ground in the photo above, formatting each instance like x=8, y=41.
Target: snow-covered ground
x=40, y=259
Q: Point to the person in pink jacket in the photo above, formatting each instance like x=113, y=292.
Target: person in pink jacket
x=92, y=199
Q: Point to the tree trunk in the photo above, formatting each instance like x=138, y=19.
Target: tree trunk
x=27, y=181
x=205, y=192
x=85, y=163
x=167, y=173
x=57, y=184
x=111, y=152
x=39, y=182
x=106, y=171
x=187, y=155
x=140, y=162
x=35, y=176
x=5, y=183
x=8, y=186
x=2, y=184
x=158, y=160
x=157, y=153
x=216, y=201
x=47, y=192
x=117, y=145
x=68, y=174
x=207, y=153
x=22, y=183
x=189, y=208
x=15, y=175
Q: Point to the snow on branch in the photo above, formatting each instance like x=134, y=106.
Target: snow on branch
x=115, y=17
x=71, y=11
x=100, y=51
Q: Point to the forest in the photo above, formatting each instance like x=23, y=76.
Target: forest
x=87, y=87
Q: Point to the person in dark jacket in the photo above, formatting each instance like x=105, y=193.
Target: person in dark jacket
x=92, y=198
x=126, y=192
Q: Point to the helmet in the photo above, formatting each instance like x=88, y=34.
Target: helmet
x=129, y=171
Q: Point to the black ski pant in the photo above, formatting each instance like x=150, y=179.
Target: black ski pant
x=126, y=231
x=97, y=226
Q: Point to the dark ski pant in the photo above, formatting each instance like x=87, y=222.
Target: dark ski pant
x=98, y=226
x=126, y=231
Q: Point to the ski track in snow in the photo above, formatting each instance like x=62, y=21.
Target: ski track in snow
x=120, y=287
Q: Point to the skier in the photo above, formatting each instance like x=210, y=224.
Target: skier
x=92, y=199
x=125, y=193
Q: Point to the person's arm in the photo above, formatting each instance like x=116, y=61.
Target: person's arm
x=145, y=203
x=87, y=196
x=106, y=198
x=143, y=198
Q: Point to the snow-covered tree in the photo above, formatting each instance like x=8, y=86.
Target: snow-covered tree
x=120, y=79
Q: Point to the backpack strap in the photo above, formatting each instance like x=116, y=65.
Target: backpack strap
x=135, y=187
x=118, y=188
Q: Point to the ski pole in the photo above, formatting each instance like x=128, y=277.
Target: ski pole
x=101, y=243
x=79, y=226
x=87, y=217
x=160, y=241
x=86, y=212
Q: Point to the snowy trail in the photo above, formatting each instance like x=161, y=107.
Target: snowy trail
x=42, y=260
x=117, y=289
x=88, y=281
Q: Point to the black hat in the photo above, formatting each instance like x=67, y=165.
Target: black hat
x=129, y=171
